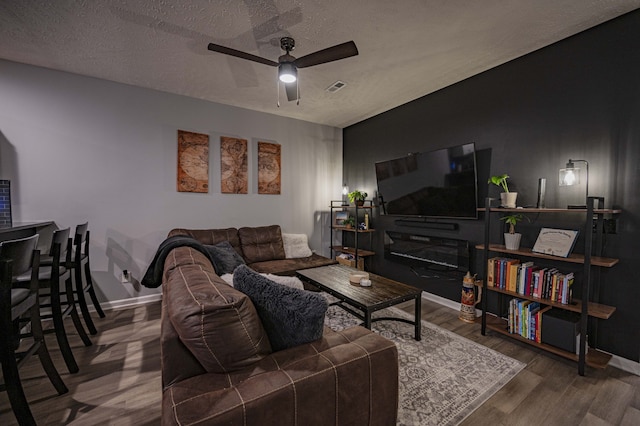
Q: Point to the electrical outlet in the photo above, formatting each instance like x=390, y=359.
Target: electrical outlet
x=125, y=277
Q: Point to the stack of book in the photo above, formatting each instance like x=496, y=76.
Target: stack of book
x=525, y=318
x=530, y=280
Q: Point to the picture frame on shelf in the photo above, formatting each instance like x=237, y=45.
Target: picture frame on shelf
x=339, y=218
x=555, y=242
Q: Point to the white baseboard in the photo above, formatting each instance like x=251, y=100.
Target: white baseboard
x=624, y=364
x=127, y=303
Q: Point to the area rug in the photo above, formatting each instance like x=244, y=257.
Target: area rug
x=444, y=377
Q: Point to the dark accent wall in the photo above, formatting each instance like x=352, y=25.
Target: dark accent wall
x=579, y=99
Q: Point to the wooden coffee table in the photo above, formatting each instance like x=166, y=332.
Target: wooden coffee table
x=334, y=279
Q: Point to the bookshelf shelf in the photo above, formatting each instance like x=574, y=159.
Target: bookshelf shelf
x=573, y=257
x=592, y=258
x=595, y=310
x=594, y=357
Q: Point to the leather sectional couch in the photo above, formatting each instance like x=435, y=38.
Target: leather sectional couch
x=218, y=366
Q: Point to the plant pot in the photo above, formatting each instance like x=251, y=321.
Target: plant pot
x=508, y=199
x=359, y=203
x=512, y=241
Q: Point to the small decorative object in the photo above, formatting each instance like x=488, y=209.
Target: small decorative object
x=357, y=197
x=508, y=199
x=555, y=242
x=269, y=165
x=511, y=238
x=357, y=277
x=469, y=302
x=233, y=166
x=365, y=282
x=193, y=162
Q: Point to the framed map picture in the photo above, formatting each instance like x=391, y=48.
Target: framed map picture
x=233, y=166
x=268, y=168
x=193, y=162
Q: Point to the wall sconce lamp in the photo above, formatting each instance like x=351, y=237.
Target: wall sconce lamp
x=570, y=176
x=345, y=192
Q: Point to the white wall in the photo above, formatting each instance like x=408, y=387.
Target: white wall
x=82, y=149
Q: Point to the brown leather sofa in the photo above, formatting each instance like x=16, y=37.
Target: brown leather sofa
x=261, y=248
x=218, y=367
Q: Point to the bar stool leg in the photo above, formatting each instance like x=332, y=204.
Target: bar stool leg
x=92, y=292
x=73, y=312
x=43, y=352
x=58, y=326
x=17, y=398
x=82, y=302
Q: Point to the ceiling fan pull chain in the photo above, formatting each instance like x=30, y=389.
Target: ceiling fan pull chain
x=278, y=92
x=298, y=92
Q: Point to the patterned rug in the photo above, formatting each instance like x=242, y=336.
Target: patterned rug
x=444, y=377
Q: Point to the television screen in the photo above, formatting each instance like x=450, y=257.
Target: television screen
x=436, y=184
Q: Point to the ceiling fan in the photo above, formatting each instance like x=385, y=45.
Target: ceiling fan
x=288, y=65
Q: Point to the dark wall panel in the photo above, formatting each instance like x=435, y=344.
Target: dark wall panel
x=579, y=99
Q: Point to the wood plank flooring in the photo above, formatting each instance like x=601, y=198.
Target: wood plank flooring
x=119, y=379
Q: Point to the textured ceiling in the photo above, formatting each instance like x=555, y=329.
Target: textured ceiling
x=408, y=48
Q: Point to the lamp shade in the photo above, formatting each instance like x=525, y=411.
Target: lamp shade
x=287, y=72
x=570, y=176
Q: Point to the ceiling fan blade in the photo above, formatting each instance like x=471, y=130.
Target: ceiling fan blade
x=292, y=91
x=339, y=51
x=239, y=54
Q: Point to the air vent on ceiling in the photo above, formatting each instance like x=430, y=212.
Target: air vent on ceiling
x=336, y=86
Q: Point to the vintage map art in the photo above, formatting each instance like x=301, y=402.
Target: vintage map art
x=193, y=162
x=234, y=166
x=268, y=168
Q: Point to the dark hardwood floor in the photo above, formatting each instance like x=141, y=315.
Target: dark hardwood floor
x=119, y=379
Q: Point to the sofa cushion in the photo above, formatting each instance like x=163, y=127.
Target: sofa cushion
x=225, y=259
x=290, y=316
x=296, y=246
x=211, y=236
x=218, y=324
x=261, y=243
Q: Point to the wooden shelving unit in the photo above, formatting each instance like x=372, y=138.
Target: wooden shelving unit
x=592, y=257
x=357, y=251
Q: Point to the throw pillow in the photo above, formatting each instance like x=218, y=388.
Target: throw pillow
x=225, y=258
x=290, y=316
x=296, y=246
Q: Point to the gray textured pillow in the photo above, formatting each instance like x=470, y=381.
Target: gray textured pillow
x=290, y=316
x=225, y=257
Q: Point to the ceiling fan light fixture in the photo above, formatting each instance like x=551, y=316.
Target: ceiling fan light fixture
x=287, y=72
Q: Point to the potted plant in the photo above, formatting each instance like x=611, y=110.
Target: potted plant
x=349, y=222
x=512, y=238
x=508, y=199
x=357, y=197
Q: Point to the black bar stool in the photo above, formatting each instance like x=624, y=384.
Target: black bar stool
x=52, y=278
x=18, y=257
x=82, y=268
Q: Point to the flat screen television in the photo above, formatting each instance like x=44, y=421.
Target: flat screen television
x=434, y=184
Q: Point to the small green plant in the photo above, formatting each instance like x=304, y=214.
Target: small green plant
x=500, y=180
x=512, y=220
x=357, y=196
x=350, y=222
